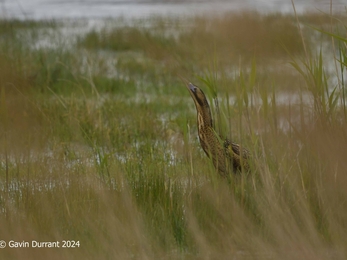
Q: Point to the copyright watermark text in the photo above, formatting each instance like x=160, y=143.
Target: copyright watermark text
x=40, y=244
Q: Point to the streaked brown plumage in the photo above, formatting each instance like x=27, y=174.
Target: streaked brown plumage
x=225, y=157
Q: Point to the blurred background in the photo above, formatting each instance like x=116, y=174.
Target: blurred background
x=48, y=9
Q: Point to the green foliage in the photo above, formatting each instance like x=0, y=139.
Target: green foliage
x=325, y=96
x=125, y=39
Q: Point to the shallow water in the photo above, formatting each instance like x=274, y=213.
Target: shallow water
x=72, y=9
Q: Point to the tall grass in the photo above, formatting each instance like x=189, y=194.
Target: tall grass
x=112, y=160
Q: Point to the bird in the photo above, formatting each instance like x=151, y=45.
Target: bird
x=226, y=156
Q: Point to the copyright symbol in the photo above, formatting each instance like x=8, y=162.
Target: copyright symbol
x=2, y=244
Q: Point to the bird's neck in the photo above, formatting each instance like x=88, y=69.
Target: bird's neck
x=205, y=119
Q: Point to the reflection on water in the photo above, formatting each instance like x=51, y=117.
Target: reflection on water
x=59, y=9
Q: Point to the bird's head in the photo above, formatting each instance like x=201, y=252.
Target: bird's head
x=201, y=104
x=198, y=96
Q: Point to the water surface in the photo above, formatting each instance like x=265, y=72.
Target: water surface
x=72, y=9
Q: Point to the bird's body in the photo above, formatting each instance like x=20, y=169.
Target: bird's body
x=225, y=156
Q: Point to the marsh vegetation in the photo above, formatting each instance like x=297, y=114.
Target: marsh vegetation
x=98, y=138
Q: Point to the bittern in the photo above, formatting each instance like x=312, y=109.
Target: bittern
x=227, y=155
